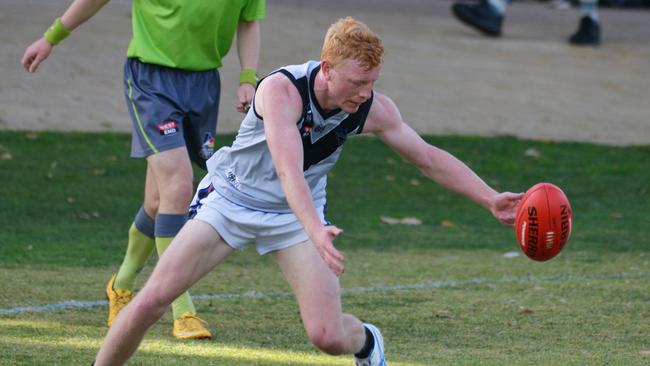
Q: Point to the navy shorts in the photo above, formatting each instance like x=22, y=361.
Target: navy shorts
x=171, y=108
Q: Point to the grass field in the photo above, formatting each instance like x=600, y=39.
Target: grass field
x=443, y=292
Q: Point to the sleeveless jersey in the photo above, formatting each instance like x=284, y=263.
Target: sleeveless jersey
x=244, y=173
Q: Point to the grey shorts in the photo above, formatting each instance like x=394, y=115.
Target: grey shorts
x=171, y=108
x=239, y=226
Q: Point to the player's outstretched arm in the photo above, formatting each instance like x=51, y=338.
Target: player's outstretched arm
x=440, y=166
x=78, y=12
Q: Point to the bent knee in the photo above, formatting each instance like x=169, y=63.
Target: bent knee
x=149, y=307
x=327, y=341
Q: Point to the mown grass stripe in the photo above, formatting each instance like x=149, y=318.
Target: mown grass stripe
x=436, y=284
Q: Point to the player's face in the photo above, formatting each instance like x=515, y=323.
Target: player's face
x=351, y=84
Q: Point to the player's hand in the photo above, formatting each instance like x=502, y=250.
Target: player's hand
x=504, y=207
x=35, y=54
x=245, y=95
x=324, y=241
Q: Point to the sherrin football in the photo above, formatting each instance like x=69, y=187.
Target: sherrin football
x=543, y=222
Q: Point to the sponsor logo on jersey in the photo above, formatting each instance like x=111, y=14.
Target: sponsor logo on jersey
x=167, y=128
x=307, y=124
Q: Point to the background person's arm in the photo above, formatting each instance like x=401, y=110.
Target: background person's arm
x=77, y=13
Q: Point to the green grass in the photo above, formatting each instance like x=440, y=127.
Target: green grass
x=450, y=297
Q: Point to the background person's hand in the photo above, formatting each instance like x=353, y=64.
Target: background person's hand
x=35, y=54
x=245, y=94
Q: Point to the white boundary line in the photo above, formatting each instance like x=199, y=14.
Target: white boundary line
x=75, y=304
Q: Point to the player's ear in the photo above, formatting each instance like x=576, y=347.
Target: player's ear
x=326, y=69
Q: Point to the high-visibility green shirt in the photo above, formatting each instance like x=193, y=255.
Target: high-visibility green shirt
x=188, y=34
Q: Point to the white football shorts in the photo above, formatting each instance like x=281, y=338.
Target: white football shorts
x=239, y=226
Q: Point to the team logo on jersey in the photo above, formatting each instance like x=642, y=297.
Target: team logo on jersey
x=167, y=128
x=207, y=148
x=232, y=178
x=307, y=124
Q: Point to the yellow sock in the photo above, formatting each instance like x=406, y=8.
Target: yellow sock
x=183, y=303
x=138, y=250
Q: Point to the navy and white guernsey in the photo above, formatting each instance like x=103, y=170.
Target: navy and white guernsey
x=244, y=173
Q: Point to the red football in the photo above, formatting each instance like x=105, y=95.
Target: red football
x=543, y=223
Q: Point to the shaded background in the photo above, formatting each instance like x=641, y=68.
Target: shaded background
x=445, y=78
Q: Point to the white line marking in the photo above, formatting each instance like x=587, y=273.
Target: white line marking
x=75, y=304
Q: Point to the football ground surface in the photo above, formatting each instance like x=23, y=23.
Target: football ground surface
x=447, y=291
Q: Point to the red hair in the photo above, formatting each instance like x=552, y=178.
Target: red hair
x=349, y=38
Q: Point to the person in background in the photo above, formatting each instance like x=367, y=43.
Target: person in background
x=172, y=88
x=487, y=17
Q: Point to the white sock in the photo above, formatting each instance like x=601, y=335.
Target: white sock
x=499, y=5
x=589, y=8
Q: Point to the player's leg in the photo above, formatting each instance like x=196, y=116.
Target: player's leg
x=588, y=32
x=119, y=289
x=173, y=178
x=141, y=237
x=318, y=293
x=154, y=104
x=151, y=194
x=485, y=16
x=194, y=252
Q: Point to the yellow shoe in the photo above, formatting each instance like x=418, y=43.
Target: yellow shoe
x=117, y=300
x=189, y=326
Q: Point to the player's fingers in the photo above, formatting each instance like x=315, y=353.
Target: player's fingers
x=338, y=255
x=335, y=265
x=33, y=66
x=334, y=231
x=37, y=60
x=334, y=259
x=515, y=196
x=507, y=222
x=247, y=97
x=242, y=107
x=26, y=60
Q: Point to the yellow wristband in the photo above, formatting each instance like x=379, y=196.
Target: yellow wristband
x=248, y=76
x=56, y=33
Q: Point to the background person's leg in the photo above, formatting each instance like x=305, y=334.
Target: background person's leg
x=119, y=289
x=140, y=245
x=195, y=251
x=172, y=172
x=485, y=16
x=588, y=32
